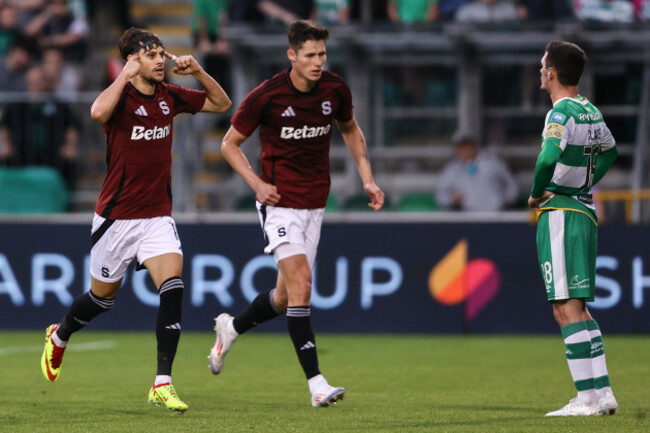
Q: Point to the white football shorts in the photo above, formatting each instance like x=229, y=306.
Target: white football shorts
x=115, y=243
x=297, y=231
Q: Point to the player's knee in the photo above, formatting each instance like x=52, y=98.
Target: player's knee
x=280, y=301
x=564, y=314
x=299, y=292
x=559, y=316
x=303, y=283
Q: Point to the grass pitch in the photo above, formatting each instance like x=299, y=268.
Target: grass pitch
x=394, y=383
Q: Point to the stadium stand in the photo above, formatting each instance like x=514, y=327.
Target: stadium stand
x=32, y=190
x=408, y=134
x=418, y=202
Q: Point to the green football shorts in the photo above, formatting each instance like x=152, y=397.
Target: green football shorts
x=566, y=250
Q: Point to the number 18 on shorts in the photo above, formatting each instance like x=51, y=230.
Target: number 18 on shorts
x=566, y=250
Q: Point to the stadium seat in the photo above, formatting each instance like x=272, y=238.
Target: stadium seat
x=438, y=94
x=359, y=202
x=32, y=190
x=332, y=203
x=245, y=203
x=418, y=202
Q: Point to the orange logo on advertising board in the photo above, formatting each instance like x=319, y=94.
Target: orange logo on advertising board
x=453, y=280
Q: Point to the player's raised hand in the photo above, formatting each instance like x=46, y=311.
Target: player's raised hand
x=185, y=65
x=132, y=66
x=376, y=196
x=267, y=194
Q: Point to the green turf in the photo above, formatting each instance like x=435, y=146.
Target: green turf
x=394, y=384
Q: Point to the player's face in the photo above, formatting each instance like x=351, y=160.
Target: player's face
x=544, y=74
x=153, y=64
x=309, y=60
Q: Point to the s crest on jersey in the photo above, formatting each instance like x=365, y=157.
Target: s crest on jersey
x=164, y=107
x=327, y=107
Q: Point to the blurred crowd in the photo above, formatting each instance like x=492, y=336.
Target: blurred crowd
x=332, y=12
x=44, y=50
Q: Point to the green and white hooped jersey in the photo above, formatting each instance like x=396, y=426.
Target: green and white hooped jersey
x=577, y=127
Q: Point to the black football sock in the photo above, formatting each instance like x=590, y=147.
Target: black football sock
x=168, y=325
x=299, y=324
x=84, y=308
x=259, y=311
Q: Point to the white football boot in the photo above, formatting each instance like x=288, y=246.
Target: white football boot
x=576, y=407
x=226, y=336
x=608, y=404
x=322, y=394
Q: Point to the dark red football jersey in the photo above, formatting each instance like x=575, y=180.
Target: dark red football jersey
x=295, y=132
x=138, y=181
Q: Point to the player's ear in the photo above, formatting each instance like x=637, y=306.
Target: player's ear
x=291, y=54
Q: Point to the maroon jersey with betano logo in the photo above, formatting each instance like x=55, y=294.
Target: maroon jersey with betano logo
x=295, y=132
x=138, y=182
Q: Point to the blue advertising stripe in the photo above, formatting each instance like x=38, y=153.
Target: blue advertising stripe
x=368, y=278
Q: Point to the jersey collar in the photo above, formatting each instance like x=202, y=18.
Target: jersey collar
x=142, y=95
x=311, y=92
x=579, y=99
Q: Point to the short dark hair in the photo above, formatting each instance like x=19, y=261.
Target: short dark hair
x=304, y=30
x=134, y=38
x=567, y=59
x=29, y=45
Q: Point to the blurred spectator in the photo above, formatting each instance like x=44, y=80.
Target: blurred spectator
x=9, y=30
x=411, y=80
x=27, y=9
x=447, y=8
x=369, y=12
x=209, y=17
x=15, y=64
x=65, y=79
x=412, y=11
x=287, y=11
x=488, y=11
x=332, y=12
x=498, y=88
x=642, y=9
x=244, y=12
x=604, y=11
x=40, y=131
x=549, y=10
x=58, y=26
x=475, y=180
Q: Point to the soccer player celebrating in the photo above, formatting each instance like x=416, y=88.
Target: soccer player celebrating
x=577, y=150
x=133, y=213
x=294, y=111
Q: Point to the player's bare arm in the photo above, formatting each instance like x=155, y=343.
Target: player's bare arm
x=356, y=143
x=216, y=99
x=265, y=193
x=102, y=108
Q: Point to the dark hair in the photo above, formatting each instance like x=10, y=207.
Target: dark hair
x=134, y=39
x=26, y=44
x=567, y=59
x=304, y=30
